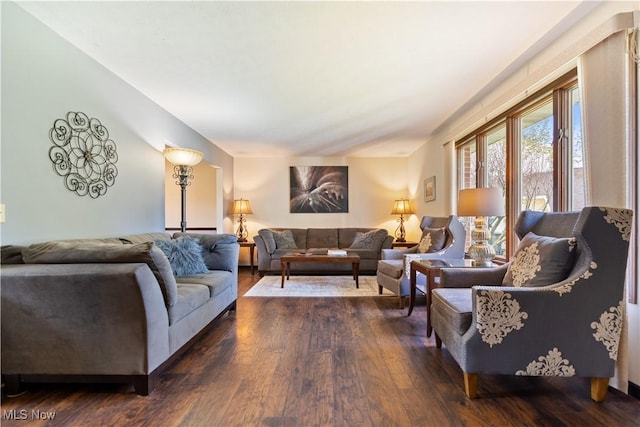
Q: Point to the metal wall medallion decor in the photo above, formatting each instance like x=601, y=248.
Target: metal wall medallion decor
x=319, y=189
x=83, y=154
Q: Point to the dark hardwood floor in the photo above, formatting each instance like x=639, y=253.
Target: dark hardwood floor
x=320, y=362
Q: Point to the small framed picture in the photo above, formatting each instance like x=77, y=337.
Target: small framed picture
x=430, y=189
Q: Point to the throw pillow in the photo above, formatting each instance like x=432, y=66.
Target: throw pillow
x=10, y=254
x=184, y=255
x=218, y=250
x=284, y=240
x=432, y=240
x=370, y=240
x=540, y=261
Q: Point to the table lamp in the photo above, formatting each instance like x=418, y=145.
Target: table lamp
x=401, y=207
x=481, y=203
x=241, y=207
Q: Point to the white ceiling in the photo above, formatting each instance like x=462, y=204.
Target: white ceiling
x=309, y=78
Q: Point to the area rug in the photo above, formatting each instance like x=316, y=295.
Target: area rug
x=316, y=286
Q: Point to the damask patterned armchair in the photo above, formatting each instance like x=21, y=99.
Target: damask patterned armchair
x=555, y=310
x=444, y=237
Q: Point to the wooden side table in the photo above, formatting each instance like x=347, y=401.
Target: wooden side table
x=403, y=244
x=431, y=269
x=252, y=247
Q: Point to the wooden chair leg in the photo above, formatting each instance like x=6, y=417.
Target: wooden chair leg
x=470, y=384
x=438, y=341
x=599, y=388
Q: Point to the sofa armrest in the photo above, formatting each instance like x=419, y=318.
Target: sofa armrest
x=264, y=257
x=398, y=253
x=467, y=277
x=82, y=319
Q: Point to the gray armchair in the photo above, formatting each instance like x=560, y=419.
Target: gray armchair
x=524, y=319
x=392, y=268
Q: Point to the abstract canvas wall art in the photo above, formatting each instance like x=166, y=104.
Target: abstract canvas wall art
x=319, y=189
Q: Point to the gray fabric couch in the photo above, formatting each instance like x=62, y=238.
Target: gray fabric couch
x=107, y=310
x=318, y=241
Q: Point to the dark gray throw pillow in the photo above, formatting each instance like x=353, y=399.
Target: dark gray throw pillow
x=284, y=239
x=184, y=255
x=371, y=240
x=540, y=261
x=432, y=240
x=11, y=254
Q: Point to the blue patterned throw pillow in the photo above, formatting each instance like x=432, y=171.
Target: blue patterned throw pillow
x=184, y=254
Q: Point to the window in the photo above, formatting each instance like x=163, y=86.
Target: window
x=577, y=185
x=536, y=159
x=534, y=153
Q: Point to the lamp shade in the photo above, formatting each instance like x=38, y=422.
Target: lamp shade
x=481, y=202
x=402, y=207
x=241, y=207
x=183, y=156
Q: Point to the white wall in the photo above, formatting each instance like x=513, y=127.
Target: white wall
x=549, y=63
x=374, y=183
x=43, y=78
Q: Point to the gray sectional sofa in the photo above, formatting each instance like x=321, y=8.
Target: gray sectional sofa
x=368, y=243
x=109, y=310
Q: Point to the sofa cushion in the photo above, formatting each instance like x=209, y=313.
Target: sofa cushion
x=184, y=255
x=279, y=253
x=455, y=306
x=391, y=267
x=432, y=240
x=84, y=253
x=216, y=280
x=189, y=298
x=284, y=239
x=540, y=261
x=371, y=240
x=364, y=253
x=322, y=238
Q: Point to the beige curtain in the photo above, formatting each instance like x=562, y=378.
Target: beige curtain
x=605, y=88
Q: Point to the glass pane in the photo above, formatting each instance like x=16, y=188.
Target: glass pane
x=468, y=161
x=536, y=159
x=497, y=177
x=578, y=185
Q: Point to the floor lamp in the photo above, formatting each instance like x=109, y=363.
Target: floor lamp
x=183, y=160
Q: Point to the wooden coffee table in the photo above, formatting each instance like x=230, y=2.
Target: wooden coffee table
x=286, y=260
